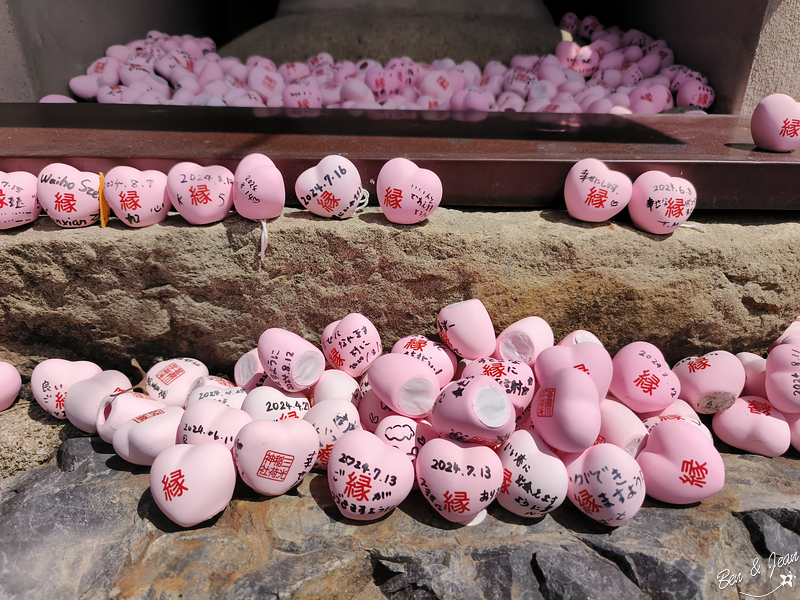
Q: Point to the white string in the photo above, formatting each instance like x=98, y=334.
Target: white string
x=363, y=201
x=264, y=239
x=695, y=226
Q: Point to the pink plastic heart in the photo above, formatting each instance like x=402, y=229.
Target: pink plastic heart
x=606, y=484
x=52, y=378
x=368, y=478
x=524, y=340
x=620, y=426
x=404, y=384
x=334, y=383
x=84, y=398
x=467, y=329
x=274, y=404
x=677, y=411
x=458, y=481
x=595, y=193
x=138, y=198
x=272, y=457
x=10, y=384
x=141, y=439
x=754, y=425
x=170, y=380
x=437, y=356
x=330, y=189
x=407, y=194
x=291, y=361
x=712, y=382
x=775, y=124
x=69, y=196
x=793, y=330
x=587, y=357
x=680, y=464
x=534, y=478
x=191, y=484
x=19, y=203
x=371, y=410
x=202, y=195
x=332, y=419
x=565, y=411
x=210, y=421
x=793, y=419
x=406, y=434
x=352, y=344
x=515, y=377
x=659, y=203
x=579, y=336
x=782, y=382
x=259, y=192
x=755, y=373
x=248, y=372
x=229, y=396
x=642, y=381
x=116, y=409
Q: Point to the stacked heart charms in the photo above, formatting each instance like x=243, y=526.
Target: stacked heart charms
x=138, y=198
x=201, y=195
x=70, y=197
x=408, y=194
x=19, y=203
x=595, y=193
x=331, y=189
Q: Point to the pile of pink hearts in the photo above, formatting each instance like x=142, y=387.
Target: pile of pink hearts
x=517, y=419
x=775, y=123
x=615, y=72
x=72, y=198
x=657, y=202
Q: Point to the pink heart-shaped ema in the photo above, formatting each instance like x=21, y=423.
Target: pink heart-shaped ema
x=291, y=361
x=141, y=439
x=534, y=478
x=171, y=380
x=19, y=203
x=330, y=189
x=406, y=434
x=368, y=478
x=680, y=464
x=695, y=93
x=642, y=381
x=117, y=409
x=138, y=198
x=383, y=84
x=754, y=425
x=332, y=419
x=775, y=124
x=677, y=411
x=52, y=379
x=660, y=203
x=335, y=384
x=248, y=372
x=229, y=396
x=458, y=481
x=407, y=194
x=620, y=426
x=300, y=95
x=467, y=329
x=606, y=484
x=712, y=382
x=191, y=484
x=107, y=68
x=352, y=344
x=258, y=191
x=10, y=384
x=588, y=357
x=515, y=377
x=595, y=193
x=210, y=421
x=524, y=340
x=69, y=196
x=755, y=374
x=371, y=409
x=437, y=356
x=565, y=411
x=404, y=384
x=84, y=398
x=273, y=404
x=201, y=195
x=274, y=456
x=782, y=382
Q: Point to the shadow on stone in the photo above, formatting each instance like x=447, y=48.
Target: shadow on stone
x=380, y=219
x=148, y=510
x=501, y=514
x=571, y=518
x=416, y=507
x=119, y=464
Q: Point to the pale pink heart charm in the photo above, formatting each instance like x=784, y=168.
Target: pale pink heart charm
x=371, y=410
x=138, y=198
x=274, y=456
x=775, y=124
x=467, y=329
x=141, y=439
x=10, y=384
x=793, y=419
x=585, y=356
x=210, y=421
x=274, y=404
x=659, y=203
x=335, y=384
x=437, y=356
x=620, y=426
x=458, y=481
x=524, y=340
x=755, y=372
x=680, y=464
x=248, y=372
x=406, y=434
x=191, y=484
x=291, y=361
x=258, y=190
x=642, y=380
x=404, y=384
x=352, y=344
x=677, y=411
x=202, y=195
x=330, y=189
x=754, y=425
x=298, y=95
x=171, y=380
x=266, y=83
x=579, y=336
x=606, y=484
x=52, y=378
x=69, y=196
x=515, y=377
x=19, y=203
x=565, y=411
x=534, y=478
x=595, y=193
x=368, y=478
x=107, y=68
x=793, y=330
x=229, y=396
x=407, y=194
x=782, y=381
x=84, y=398
x=116, y=409
x=475, y=410
x=712, y=382
x=332, y=419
